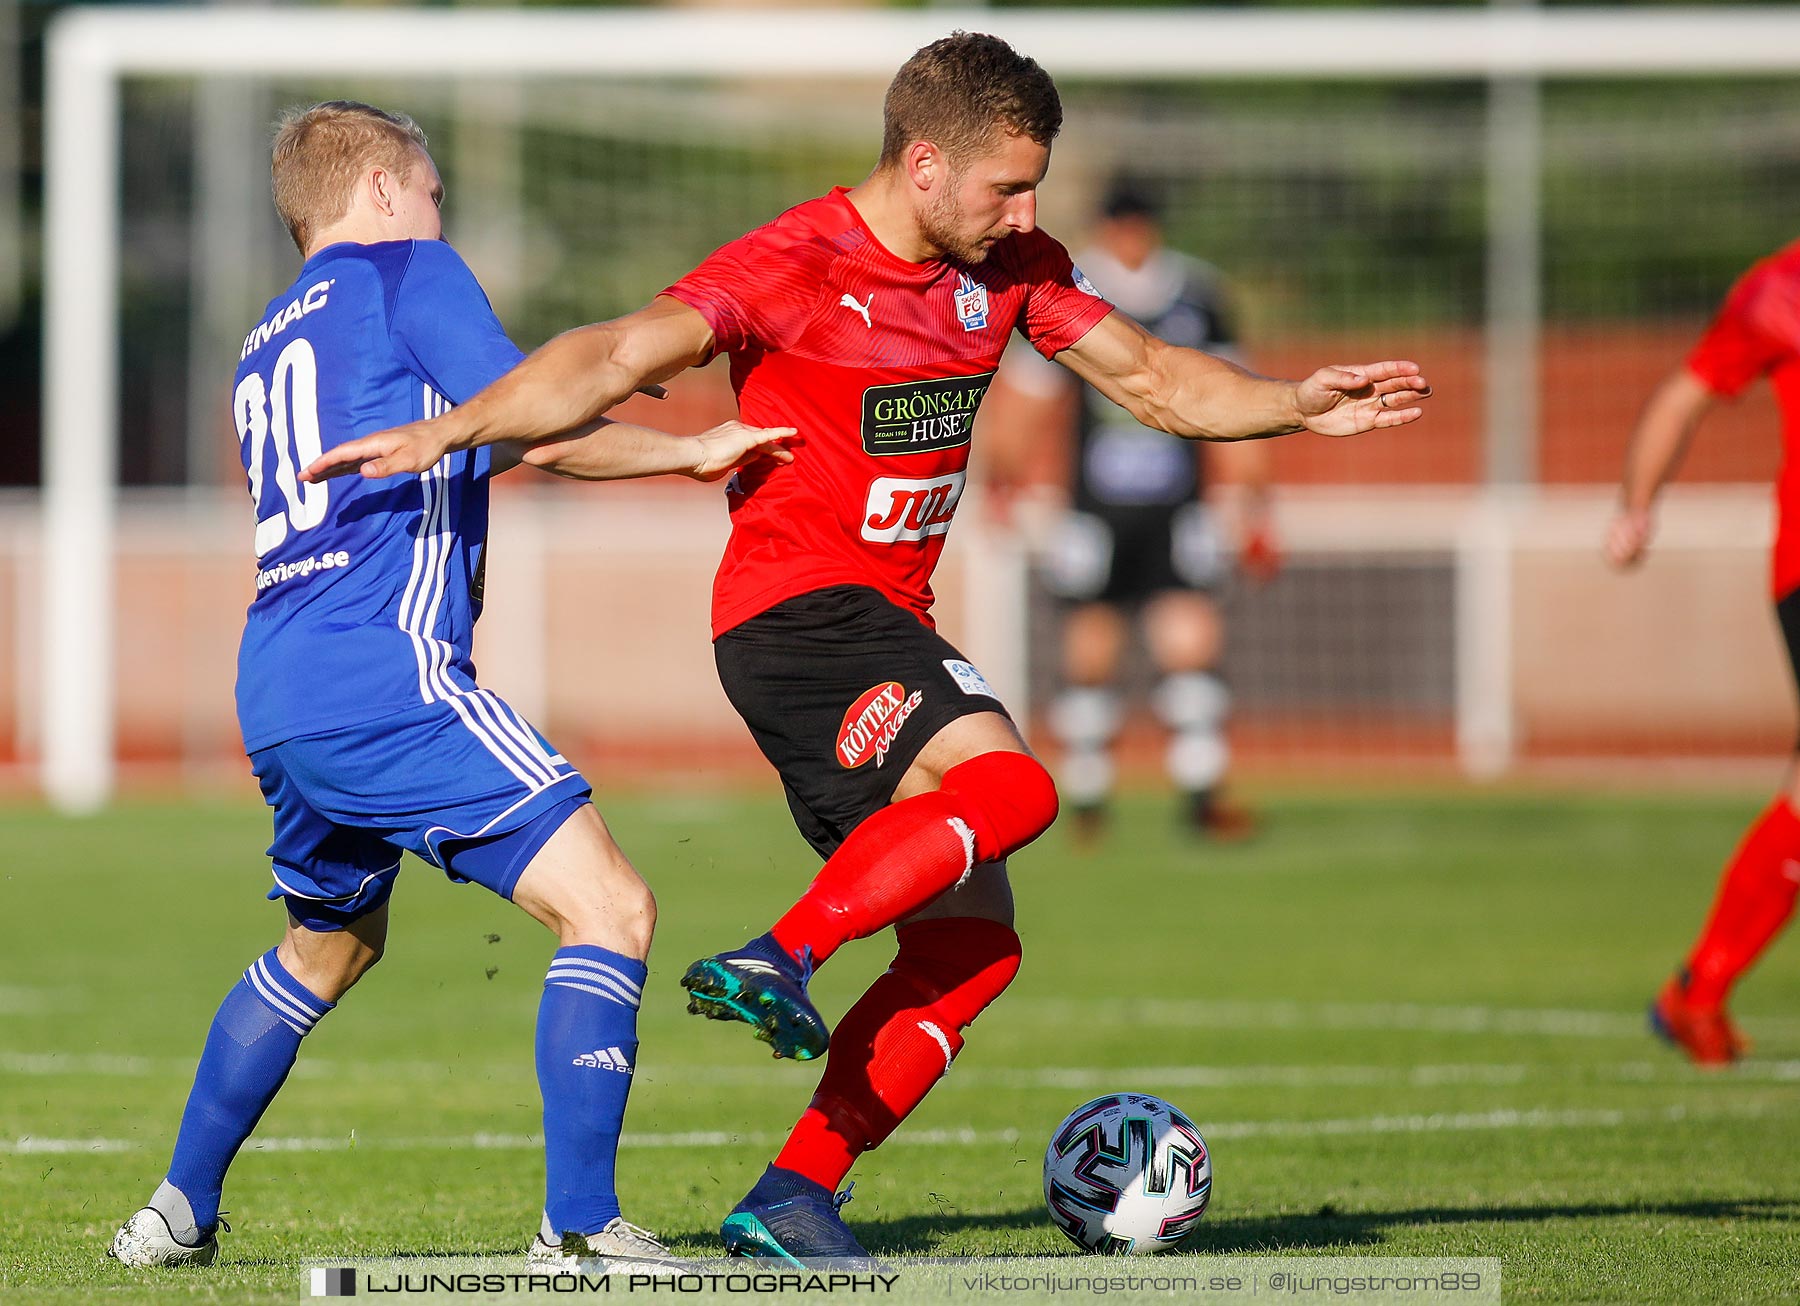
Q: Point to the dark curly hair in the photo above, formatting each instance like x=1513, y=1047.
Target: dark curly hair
x=955, y=91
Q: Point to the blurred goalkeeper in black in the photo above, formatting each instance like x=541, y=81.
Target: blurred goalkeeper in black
x=1138, y=546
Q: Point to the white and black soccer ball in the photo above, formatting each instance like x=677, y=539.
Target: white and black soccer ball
x=1126, y=1175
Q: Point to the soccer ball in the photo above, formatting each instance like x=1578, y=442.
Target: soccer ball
x=1126, y=1175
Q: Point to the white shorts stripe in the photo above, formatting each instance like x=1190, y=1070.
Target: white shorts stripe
x=459, y=705
x=529, y=735
x=514, y=726
x=481, y=705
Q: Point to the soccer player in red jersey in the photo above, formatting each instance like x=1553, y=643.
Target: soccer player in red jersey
x=1756, y=333
x=872, y=319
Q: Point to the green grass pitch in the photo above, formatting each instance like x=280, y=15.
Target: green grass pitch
x=1407, y=1023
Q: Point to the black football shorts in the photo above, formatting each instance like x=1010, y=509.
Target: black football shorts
x=1126, y=555
x=842, y=690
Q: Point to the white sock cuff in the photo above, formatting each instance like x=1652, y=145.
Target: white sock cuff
x=1085, y=717
x=1197, y=759
x=174, y=1206
x=1087, y=777
x=1192, y=700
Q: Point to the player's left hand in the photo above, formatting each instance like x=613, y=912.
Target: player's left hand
x=1341, y=401
x=731, y=445
x=415, y=447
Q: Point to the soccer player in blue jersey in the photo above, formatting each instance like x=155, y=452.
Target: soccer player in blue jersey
x=360, y=710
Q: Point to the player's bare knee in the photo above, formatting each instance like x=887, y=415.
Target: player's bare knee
x=329, y=963
x=624, y=922
x=611, y=909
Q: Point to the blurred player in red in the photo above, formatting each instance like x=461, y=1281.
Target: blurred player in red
x=1139, y=544
x=1756, y=333
x=873, y=319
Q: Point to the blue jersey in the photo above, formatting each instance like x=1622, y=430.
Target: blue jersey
x=367, y=591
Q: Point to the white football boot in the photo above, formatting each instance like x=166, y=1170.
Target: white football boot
x=619, y=1248
x=147, y=1239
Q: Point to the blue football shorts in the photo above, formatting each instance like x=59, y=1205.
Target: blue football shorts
x=467, y=785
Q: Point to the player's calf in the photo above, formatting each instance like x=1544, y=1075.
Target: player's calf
x=252, y=1045
x=899, y=1039
x=580, y=884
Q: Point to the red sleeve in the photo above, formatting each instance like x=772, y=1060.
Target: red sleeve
x=1745, y=339
x=755, y=293
x=1061, y=305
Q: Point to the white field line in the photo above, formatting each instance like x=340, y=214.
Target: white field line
x=1459, y=1122
x=1210, y=1014
x=17, y=999
x=1204, y=1013
x=1669, y=1070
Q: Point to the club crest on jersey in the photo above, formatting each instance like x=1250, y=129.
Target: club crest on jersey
x=971, y=302
x=911, y=508
x=873, y=722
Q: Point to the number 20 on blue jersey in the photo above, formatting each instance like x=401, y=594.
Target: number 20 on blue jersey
x=282, y=410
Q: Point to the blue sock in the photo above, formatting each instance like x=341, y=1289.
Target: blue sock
x=249, y=1051
x=586, y=1050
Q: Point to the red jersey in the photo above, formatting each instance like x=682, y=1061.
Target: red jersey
x=1757, y=331
x=881, y=365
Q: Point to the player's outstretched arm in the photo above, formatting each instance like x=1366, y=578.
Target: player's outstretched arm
x=1664, y=431
x=1193, y=394
x=566, y=385
x=616, y=451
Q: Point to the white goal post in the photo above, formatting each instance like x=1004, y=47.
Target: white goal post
x=91, y=50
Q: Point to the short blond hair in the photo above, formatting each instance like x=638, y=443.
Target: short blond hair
x=321, y=151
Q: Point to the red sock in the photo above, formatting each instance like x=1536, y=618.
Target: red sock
x=905, y=855
x=1756, y=897
x=899, y=1039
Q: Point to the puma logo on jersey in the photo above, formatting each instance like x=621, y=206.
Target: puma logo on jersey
x=905, y=508
x=849, y=301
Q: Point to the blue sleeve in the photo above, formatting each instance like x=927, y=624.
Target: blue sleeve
x=443, y=326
